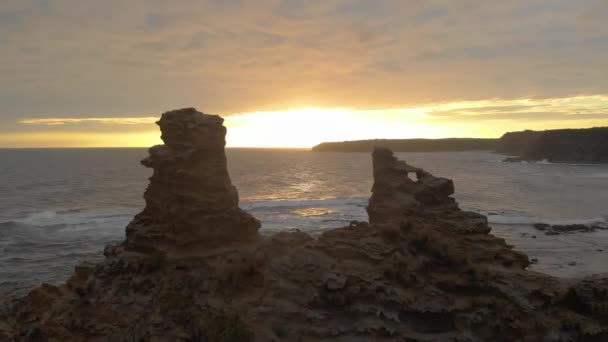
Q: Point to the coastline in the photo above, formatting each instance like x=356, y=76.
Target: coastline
x=587, y=145
x=317, y=216
x=337, y=195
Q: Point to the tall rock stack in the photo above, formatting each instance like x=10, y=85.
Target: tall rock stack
x=395, y=193
x=190, y=200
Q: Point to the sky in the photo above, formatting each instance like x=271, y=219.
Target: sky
x=294, y=73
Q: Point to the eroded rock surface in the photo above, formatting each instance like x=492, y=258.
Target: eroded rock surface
x=394, y=192
x=426, y=272
x=190, y=201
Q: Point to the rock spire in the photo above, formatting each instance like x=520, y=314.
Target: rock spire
x=190, y=200
x=394, y=192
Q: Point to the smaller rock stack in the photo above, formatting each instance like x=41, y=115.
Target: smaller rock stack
x=190, y=200
x=395, y=193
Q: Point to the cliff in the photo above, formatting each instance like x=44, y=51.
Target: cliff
x=517, y=143
x=410, y=145
x=420, y=270
x=563, y=145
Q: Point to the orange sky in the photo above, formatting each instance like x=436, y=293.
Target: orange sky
x=293, y=73
x=310, y=126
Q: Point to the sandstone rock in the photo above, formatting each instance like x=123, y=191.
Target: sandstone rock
x=190, y=201
x=395, y=192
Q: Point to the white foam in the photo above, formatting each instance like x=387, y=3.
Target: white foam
x=37, y=219
x=517, y=219
x=75, y=217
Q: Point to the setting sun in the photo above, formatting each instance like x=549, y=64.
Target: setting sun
x=307, y=127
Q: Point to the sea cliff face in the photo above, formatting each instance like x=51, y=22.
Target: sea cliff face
x=193, y=268
x=562, y=145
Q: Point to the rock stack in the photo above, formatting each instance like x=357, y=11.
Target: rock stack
x=190, y=201
x=395, y=193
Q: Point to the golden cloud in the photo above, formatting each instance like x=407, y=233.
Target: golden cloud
x=64, y=121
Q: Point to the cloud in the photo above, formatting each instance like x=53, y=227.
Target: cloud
x=300, y=127
x=110, y=57
x=8, y=19
x=65, y=121
x=540, y=110
x=525, y=116
x=160, y=21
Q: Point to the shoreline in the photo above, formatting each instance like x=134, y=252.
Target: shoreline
x=518, y=230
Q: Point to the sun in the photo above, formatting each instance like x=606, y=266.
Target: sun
x=306, y=127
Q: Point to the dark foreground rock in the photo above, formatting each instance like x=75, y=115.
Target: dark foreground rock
x=422, y=270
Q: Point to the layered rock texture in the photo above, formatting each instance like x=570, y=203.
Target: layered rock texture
x=394, y=193
x=422, y=270
x=190, y=201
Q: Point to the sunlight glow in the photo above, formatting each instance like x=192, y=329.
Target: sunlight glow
x=306, y=127
x=64, y=121
x=79, y=139
x=481, y=119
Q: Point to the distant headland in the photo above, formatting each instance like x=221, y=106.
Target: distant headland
x=410, y=145
x=588, y=145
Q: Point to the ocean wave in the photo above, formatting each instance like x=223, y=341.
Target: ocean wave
x=74, y=217
x=518, y=219
x=292, y=213
x=597, y=175
x=7, y=225
x=556, y=163
x=346, y=215
x=336, y=202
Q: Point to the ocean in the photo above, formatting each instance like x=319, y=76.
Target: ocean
x=60, y=206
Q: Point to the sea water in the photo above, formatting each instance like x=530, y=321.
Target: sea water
x=60, y=206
